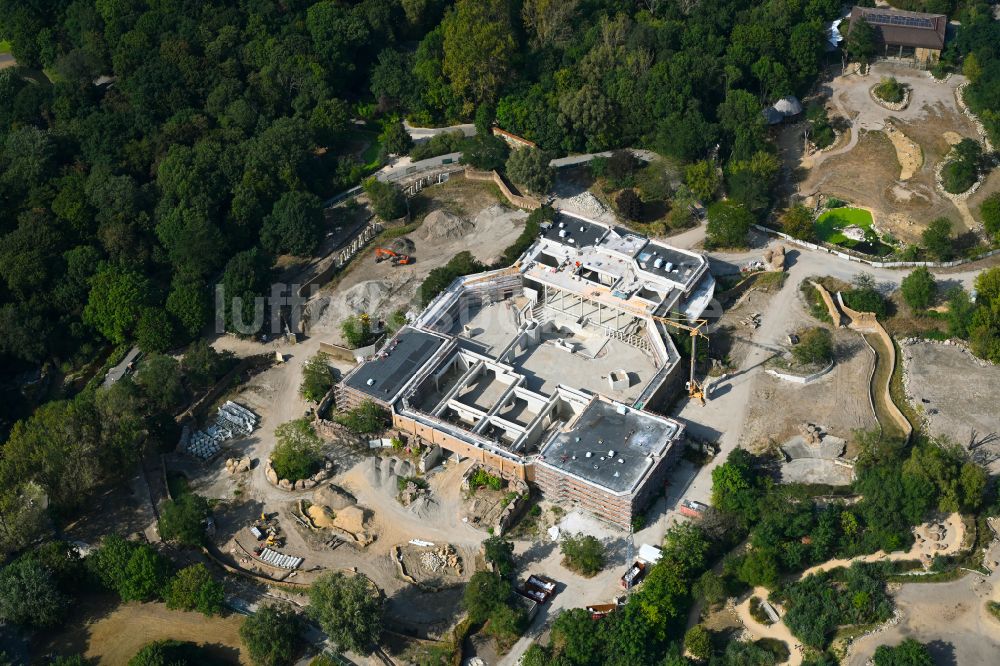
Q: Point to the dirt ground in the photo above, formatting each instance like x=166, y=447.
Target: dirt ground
x=112, y=634
x=950, y=618
x=838, y=401
x=956, y=393
x=455, y=216
x=894, y=178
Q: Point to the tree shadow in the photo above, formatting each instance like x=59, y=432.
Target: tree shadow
x=943, y=653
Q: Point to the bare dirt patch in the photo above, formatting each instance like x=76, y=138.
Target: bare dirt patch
x=908, y=153
x=838, y=401
x=112, y=634
x=954, y=391
x=892, y=175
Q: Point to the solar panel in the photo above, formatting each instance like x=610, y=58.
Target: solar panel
x=896, y=19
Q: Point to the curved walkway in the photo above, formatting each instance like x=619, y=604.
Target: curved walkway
x=922, y=550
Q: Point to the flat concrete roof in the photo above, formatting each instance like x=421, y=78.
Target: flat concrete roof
x=600, y=429
x=684, y=264
x=395, y=365
x=578, y=233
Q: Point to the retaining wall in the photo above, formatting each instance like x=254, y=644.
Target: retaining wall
x=518, y=200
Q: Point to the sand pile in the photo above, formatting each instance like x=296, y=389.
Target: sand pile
x=440, y=225
x=425, y=508
x=384, y=473
x=367, y=296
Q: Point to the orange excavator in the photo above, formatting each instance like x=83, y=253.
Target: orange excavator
x=383, y=254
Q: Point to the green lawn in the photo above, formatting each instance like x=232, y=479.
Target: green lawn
x=830, y=224
x=4, y=46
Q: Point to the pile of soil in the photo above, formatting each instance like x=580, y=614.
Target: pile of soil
x=367, y=296
x=334, y=497
x=440, y=225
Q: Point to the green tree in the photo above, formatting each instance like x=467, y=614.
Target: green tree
x=907, y=653
x=530, y=167
x=188, y=302
x=741, y=119
x=864, y=297
x=815, y=347
x=485, y=593
x=193, y=588
x=937, y=238
x=155, y=330
x=159, y=377
x=317, y=378
x=486, y=152
x=365, y=419
x=386, y=199
x=183, y=519
x=272, y=636
x=29, y=594
x=574, y=637
x=135, y=571
x=728, y=225
x=295, y=225
x=918, y=289
x=698, y=641
x=860, y=44
x=169, y=653
x=348, y=609
x=582, y=553
x=395, y=139
x=244, y=281
x=702, y=179
x=117, y=297
x=797, y=222
x=736, y=488
x=297, y=455
x=500, y=553
x=478, y=46
x=202, y=365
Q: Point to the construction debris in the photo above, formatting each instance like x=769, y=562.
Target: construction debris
x=232, y=421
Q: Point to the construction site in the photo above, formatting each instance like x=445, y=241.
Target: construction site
x=547, y=370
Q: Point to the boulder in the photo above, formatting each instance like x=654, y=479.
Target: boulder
x=285, y=484
x=271, y=475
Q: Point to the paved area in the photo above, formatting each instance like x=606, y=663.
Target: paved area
x=123, y=368
x=7, y=60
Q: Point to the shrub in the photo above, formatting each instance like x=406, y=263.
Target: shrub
x=297, y=454
x=918, y=289
x=583, y=554
x=990, y=212
x=193, y=588
x=481, y=478
x=172, y=653
x=798, y=223
x=702, y=179
x=815, y=347
x=395, y=139
x=629, y=205
x=272, y=636
x=439, y=144
x=358, y=331
x=532, y=226
x=439, y=278
x=183, y=519
x=863, y=296
x=890, y=90
x=365, y=419
x=963, y=167
x=820, y=130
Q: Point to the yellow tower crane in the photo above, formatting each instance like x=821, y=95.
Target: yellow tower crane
x=695, y=389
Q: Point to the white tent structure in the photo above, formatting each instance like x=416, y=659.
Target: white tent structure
x=788, y=106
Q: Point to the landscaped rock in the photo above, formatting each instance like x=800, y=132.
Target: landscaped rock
x=285, y=484
x=270, y=474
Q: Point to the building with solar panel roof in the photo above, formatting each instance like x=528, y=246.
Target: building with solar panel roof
x=910, y=37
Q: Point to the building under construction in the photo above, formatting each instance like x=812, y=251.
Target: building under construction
x=548, y=369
